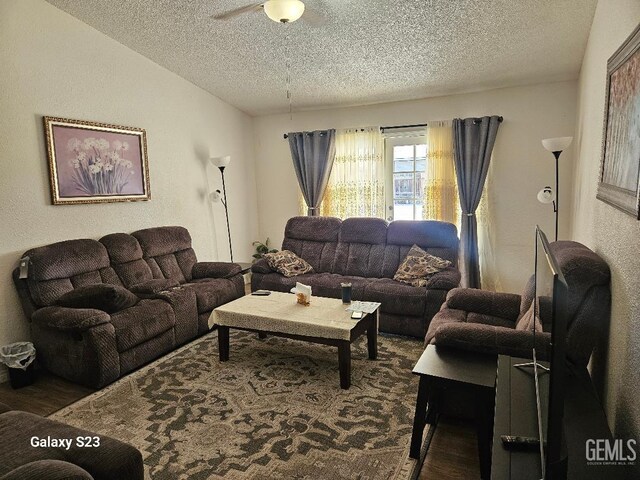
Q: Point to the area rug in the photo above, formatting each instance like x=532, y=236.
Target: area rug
x=275, y=410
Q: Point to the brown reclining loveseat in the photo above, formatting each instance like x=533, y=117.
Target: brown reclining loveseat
x=159, y=297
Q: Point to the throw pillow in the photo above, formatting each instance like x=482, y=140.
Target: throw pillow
x=528, y=321
x=101, y=296
x=287, y=263
x=418, y=266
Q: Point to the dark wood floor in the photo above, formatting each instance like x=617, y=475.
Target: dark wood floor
x=47, y=395
x=453, y=452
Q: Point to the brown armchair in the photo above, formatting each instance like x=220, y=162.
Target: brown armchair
x=495, y=323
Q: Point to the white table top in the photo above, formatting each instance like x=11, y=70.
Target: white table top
x=279, y=312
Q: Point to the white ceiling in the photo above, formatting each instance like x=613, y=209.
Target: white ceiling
x=367, y=51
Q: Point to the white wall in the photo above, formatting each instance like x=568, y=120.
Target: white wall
x=520, y=164
x=611, y=233
x=53, y=64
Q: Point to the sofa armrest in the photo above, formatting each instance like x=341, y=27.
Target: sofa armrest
x=503, y=305
x=151, y=287
x=69, y=319
x=261, y=266
x=47, y=470
x=445, y=280
x=492, y=340
x=215, y=270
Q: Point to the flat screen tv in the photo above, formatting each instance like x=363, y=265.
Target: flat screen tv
x=550, y=302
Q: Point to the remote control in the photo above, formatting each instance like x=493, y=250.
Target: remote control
x=261, y=293
x=522, y=444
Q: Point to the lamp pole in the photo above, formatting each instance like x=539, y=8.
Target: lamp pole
x=226, y=210
x=557, y=203
x=556, y=146
x=222, y=163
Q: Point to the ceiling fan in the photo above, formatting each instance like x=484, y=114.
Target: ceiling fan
x=282, y=11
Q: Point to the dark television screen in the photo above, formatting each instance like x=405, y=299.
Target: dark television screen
x=549, y=309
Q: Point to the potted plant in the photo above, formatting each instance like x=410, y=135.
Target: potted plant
x=262, y=249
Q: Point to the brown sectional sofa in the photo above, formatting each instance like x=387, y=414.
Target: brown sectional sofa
x=93, y=347
x=367, y=253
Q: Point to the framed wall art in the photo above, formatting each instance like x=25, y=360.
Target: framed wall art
x=93, y=162
x=620, y=167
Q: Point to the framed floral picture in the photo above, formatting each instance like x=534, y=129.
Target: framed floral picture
x=93, y=162
x=620, y=169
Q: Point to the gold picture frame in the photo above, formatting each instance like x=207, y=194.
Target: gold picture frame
x=92, y=162
x=620, y=165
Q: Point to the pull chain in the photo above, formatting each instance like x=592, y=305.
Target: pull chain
x=288, y=69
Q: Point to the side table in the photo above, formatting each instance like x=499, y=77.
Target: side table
x=472, y=373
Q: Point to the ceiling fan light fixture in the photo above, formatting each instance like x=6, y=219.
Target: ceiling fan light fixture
x=284, y=11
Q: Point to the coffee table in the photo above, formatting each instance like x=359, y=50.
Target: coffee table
x=324, y=321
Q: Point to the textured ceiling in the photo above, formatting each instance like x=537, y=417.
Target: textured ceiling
x=367, y=51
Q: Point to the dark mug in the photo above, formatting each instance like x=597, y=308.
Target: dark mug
x=346, y=292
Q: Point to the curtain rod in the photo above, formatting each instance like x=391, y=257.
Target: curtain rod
x=404, y=126
x=285, y=136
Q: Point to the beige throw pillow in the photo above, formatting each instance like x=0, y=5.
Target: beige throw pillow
x=528, y=321
x=287, y=263
x=418, y=266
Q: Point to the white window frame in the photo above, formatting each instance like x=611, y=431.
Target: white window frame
x=393, y=139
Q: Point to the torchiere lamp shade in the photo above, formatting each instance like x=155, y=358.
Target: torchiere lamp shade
x=556, y=144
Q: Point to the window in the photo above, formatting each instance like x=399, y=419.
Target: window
x=406, y=174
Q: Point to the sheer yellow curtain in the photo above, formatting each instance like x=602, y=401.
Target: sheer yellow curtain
x=441, y=189
x=356, y=184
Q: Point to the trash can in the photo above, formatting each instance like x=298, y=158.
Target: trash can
x=19, y=357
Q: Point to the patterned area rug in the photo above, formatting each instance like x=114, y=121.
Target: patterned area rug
x=274, y=410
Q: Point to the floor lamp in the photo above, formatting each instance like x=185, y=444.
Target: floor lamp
x=547, y=194
x=222, y=163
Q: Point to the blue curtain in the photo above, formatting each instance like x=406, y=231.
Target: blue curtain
x=313, y=154
x=473, y=140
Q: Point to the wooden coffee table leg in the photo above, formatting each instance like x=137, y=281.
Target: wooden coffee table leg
x=419, y=418
x=344, y=363
x=372, y=340
x=223, y=343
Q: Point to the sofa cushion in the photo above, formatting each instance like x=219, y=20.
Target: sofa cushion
x=436, y=238
x=314, y=239
x=144, y=321
x=322, y=284
x=396, y=297
x=363, y=230
x=127, y=258
x=328, y=285
x=418, y=266
x=66, y=259
x=100, y=296
x=212, y=292
x=279, y=283
x=60, y=267
x=153, y=286
x=168, y=252
x=317, y=229
x=287, y=263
